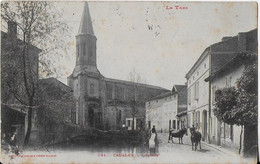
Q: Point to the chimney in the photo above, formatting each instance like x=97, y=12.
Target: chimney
x=12, y=30
x=241, y=42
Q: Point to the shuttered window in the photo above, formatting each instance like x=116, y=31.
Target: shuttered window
x=189, y=96
x=197, y=90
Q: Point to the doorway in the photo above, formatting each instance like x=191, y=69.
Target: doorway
x=91, y=117
x=204, y=135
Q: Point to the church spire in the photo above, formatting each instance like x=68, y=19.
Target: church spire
x=86, y=57
x=85, y=26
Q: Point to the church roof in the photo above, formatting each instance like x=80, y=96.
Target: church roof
x=133, y=83
x=55, y=82
x=178, y=88
x=85, y=26
x=163, y=95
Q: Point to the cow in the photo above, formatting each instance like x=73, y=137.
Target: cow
x=177, y=134
x=195, y=138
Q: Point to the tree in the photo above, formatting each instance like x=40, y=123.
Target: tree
x=239, y=105
x=51, y=37
x=41, y=24
x=135, y=77
x=247, y=108
x=226, y=101
x=57, y=107
x=134, y=110
x=247, y=87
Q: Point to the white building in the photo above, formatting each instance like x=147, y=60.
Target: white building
x=214, y=58
x=227, y=76
x=197, y=110
x=162, y=110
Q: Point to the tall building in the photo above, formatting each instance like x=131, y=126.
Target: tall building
x=225, y=77
x=14, y=112
x=102, y=102
x=213, y=58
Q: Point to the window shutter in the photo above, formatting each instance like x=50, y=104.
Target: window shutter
x=196, y=90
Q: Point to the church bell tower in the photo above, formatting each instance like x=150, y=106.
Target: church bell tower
x=85, y=79
x=86, y=44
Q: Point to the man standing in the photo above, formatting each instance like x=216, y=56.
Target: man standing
x=154, y=130
x=192, y=129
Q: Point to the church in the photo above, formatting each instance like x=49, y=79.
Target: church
x=101, y=102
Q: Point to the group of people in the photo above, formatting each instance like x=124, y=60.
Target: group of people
x=193, y=128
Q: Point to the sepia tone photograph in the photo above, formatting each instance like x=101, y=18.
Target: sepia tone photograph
x=129, y=82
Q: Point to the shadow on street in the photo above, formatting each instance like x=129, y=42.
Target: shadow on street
x=203, y=150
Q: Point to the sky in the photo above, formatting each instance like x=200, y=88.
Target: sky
x=159, y=42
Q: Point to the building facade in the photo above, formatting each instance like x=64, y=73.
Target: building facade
x=162, y=111
x=14, y=111
x=200, y=92
x=227, y=76
x=181, y=91
x=221, y=133
x=197, y=93
x=102, y=102
x=213, y=58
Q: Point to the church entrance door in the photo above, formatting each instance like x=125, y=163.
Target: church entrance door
x=91, y=117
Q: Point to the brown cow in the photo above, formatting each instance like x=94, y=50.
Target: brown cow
x=177, y=134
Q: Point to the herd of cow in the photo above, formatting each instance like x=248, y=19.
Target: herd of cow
x=195, y=136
